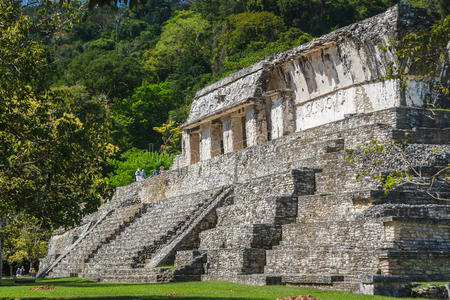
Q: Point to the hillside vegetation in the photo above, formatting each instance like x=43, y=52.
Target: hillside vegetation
x=143, y=65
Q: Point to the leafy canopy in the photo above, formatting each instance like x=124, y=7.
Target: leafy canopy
x=180, y=32
x=136, y=116
x=50, y=154
x=106, y=73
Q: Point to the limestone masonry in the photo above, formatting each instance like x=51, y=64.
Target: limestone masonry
x=261, y=193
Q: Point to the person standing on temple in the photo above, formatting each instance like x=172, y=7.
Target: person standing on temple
x=143, y=175
x=162, y=170
x=138, y=175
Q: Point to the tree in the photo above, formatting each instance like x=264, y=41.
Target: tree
x=149, y=106
x=251, y=30
x=23, y=240
x=249, y=37
x=320, y=16
x=50, y=153
x=171, y=136
x=180, y=32
x=106, y=74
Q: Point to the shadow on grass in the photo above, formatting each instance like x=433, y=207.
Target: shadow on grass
x=162, y=297
x=82, y=283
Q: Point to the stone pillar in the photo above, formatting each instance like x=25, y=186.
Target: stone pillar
x=185, y=148
x=227, y=135
x=194, y=147
x=256, y=123
x=205, y=144
x=250, y=126
x=288, y=115
x=216, y=138
x=281, y=113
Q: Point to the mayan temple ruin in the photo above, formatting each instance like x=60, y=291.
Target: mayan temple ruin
x=262, y=193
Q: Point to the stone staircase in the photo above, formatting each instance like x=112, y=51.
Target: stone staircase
x=236, y=248
x=123, y=259
x=115, y=217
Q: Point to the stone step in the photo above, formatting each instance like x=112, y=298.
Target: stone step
x=292, y=183
x=236, y=261
x=139, y=276
x=116, y=220
x=311, y=279
x=432, y=264
x=423, y=136
x=252, y=279
x=324, y=260
x=277, y=210
x=347, y=206
x=137, y=241
x=118, y=271
x=58, y=274
x=317, y=235
x=389, y=232
x=262, y=236
x=129, y=250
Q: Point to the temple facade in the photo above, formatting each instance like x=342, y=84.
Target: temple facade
x=337, y=75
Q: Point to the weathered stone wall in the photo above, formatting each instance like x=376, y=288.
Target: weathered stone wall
x=300, y=150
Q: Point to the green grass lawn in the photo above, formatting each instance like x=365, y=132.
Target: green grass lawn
x=85, y=289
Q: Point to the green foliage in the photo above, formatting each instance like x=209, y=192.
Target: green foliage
x=107, y=74
x=131, y=28
x=171, y=136
x=134, y=159
x=148, y=107
x=287, y=40
x=85, y=31
x=318, y=16
x=90, y=110
x=100, y=44
x=433, y=6
x=23, y=240
x=251, y=31
x=49, y=158
x=218, y=9
x=182, y=32
x=392, y=180
x=250, y=37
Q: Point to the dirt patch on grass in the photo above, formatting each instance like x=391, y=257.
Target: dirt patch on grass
x=42, y=287
x=309, y=297
x=174, y=294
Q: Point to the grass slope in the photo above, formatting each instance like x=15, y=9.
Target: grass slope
x=85, y=289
